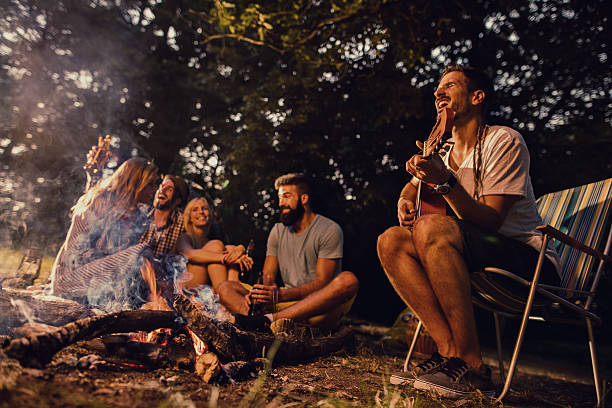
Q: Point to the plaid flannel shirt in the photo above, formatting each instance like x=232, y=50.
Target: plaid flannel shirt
x=163, y=240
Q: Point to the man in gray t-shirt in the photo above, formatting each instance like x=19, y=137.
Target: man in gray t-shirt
x=307, y=250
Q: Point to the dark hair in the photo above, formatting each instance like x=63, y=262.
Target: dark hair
x=294, y=179
x=181, y=190
x=477, y=79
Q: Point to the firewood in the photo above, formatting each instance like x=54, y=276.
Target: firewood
x=232, y=344
x=20, y=305
x=38, y=350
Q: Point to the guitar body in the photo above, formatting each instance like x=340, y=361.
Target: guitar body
x=431, y=202
x=428, y=200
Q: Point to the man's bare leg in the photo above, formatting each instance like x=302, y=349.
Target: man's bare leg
x=399, y=259
x=438, y=243
x=341, y=289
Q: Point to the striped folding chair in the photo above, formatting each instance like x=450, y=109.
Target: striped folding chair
x=578, y=219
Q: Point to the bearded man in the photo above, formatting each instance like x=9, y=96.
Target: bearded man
x=166, y=218
x=307, y=250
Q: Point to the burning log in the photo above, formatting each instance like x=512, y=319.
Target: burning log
x=38, y=350
x=17, y=304
x=232, y=344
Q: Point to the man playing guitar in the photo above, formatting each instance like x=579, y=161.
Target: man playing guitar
x=483, y=177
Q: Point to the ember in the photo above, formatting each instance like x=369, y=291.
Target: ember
x=157, y=302
x=198, y=344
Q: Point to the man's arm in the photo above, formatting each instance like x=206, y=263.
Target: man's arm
x=324, y=273
x=488, y=211
x=270, y=270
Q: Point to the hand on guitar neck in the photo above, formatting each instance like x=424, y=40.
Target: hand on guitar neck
x=98, y=156
x=430, y=170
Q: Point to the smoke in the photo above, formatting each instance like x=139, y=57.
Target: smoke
x=67, y=76
x=24, y=309
x=127, y=290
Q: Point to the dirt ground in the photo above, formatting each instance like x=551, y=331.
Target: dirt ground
x=358, y=379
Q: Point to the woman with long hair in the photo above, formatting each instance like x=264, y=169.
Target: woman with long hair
x=100, y=258
x=210, y=262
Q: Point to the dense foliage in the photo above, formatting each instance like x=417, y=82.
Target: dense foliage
x=233, y=93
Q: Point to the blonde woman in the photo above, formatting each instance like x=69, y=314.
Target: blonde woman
x=210, y=262
x=100, y=258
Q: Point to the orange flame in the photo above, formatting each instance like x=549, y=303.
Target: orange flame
x=198, y=344
x=157, y=302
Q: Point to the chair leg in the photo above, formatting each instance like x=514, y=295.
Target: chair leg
x=593, y=351
x=524, y=321
x=412, y=344
x=500, y=357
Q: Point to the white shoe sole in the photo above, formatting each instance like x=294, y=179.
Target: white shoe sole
x=447, y=392
x=400, y=380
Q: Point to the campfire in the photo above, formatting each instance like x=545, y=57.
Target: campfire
x=172, y=331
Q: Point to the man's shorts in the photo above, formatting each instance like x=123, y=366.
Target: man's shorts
x=482, y=248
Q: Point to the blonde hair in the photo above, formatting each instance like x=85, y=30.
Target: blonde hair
x=116, y=197
x=189, y=228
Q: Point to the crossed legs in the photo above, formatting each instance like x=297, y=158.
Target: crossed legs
x=340, y=290
x=427, y=269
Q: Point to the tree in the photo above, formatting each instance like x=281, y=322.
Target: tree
x=231, y=94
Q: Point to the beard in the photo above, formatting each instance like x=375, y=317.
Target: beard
x=162, y=206
x=294, y=214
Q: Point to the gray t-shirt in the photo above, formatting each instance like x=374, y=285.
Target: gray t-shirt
x=298, y=253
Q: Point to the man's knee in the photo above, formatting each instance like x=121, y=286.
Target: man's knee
x=224, y=289
x=345, y=286
x=391, y=241
x=349, y=281
x=433, y=230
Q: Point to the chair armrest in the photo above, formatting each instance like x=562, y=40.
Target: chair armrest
x=566, y=239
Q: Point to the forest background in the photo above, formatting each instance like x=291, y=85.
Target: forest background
x=231, y=94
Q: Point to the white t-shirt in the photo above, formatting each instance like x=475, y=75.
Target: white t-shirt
x=298, y=253
x=505, y=171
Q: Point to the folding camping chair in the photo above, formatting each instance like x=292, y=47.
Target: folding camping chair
x=579, y=220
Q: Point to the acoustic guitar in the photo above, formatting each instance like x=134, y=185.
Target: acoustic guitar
x=428, y=201
x=98, y=156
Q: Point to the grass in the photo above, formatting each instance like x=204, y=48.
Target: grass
x=262, y=393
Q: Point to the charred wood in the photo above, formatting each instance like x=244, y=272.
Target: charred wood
x=232, y=344
x=16, y=304
x=38, y=350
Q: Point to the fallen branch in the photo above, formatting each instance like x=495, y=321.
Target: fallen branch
x=18, y=306
x=38, y=350
x=232, y=344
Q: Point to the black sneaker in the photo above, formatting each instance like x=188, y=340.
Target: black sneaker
x=425, y=367
x=259, y=323
x=457, y=379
